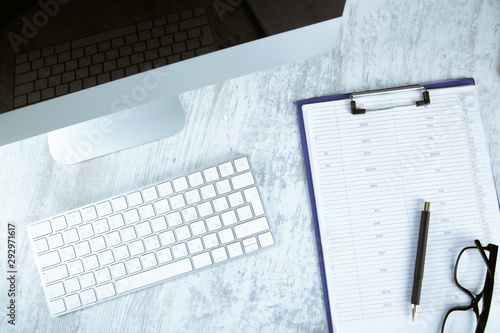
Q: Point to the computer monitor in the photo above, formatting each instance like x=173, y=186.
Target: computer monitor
x=248, y=36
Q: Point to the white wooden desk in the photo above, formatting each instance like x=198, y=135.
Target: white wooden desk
x=382, y=44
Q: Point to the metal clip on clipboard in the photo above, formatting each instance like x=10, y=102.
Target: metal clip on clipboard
x=372, y=104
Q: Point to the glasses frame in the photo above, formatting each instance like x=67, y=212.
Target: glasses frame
x=486, y=292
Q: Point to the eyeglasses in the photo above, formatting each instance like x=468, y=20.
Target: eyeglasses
x=474, y=275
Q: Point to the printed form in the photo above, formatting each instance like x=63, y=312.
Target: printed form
x=371, y=174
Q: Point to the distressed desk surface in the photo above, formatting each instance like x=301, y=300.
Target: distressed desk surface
x=381, y=44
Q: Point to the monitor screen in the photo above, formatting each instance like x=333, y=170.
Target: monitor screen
x=66, y=62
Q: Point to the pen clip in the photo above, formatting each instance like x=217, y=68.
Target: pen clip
x=375, y=106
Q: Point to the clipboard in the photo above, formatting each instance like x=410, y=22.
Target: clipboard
x=359, y=105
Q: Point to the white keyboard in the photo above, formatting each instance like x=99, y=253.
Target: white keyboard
x=147, y=236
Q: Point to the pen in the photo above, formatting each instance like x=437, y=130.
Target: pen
x=420, y=261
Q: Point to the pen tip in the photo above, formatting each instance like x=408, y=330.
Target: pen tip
x=427, y=206
x=413, y=312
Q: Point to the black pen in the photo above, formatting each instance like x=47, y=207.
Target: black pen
x=420, y=261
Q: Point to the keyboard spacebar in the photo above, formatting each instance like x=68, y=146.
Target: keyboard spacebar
x=154, y=275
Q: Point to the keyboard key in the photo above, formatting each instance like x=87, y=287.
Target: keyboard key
x=234, y=250
x=182, y=233
x=113, y=238
x=49, y=259
x=102, y=275
x=90, y=262
x=266, y=239
x=252, y=196
x=82, y=248
x=24, y=89
x=167, y=238
x=74, y=218
x=41, y=245
x=105, y=291
x=241, y=164
x=67, y=253
x=26, y=77
x=162, y=206
x=198, y=228
x=34, y=97
x=70, y=236
x=189, y=214
x=75, y=267
x=210, y=241
x=211, y=174
x=195, y=245
x=131, y=216
x=242, y=180
x=121, y=252
x=136, y=248
x=205, y=209
x=164, y=255
x=152, y=243
x=243, y=230
x=229, y=218
x=55, y=290
x=118, y=270
x=214, y=223
x=236, y=199
x=89, y=213
x=88, y=296
x=116, y=221
x=192, y=196
x=133, y=265
x=134, y=199
x=179, y=250
x=219, y=254
x=165, y=189
x=159, y=223
x=208, y=191
x=226, y=236
x=85, y=231
x=180, y=184
x=150, y=194
x=119, y=204
x=104, y=208
x=220, y=204
x=40, y=229
x=143, y=229
x=226, y=169
x=146, y=211
x=97, y=244
x=149, y=260
x=55, y=273
x=154, y=275
x=73, y=301
x=57, y=306
x=177, y=201
x=202, y=260
x=223, y=186
x=71, y=285
x=87, y=280
x=128, y=234
x=100, y=226
x=55, y=240
x=109, y=66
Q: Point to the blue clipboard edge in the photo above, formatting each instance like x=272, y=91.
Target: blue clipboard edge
x=307, y=164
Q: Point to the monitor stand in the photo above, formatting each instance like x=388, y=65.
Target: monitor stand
x=124, y=129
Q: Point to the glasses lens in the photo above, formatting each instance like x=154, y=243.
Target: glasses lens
x=460, y=322
x=471, y=271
